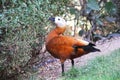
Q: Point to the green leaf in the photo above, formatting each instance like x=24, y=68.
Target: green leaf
x=88, y=10
x=110, y=8
x=72, y=10
x=99, y=22
x=0, y=32
x=93, y=4
x=110, y=19
x=14, y=1
x=81, y=32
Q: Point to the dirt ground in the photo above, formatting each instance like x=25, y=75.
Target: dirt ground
x=52, y=70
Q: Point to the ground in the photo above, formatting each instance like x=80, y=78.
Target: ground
x=51, y=69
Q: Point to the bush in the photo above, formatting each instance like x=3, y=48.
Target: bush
x=23, y=28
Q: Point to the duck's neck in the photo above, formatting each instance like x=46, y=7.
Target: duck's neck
x=59, y=31
x=55, y=32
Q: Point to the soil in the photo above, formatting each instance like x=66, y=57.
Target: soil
x=51, y=70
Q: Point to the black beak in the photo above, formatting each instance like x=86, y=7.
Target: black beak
x=52, y=19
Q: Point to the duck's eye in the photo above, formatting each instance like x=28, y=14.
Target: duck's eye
x=58, y=19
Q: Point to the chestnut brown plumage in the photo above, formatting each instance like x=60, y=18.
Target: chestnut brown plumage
x=66, y=47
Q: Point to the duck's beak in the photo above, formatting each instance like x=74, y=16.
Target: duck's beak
x=52, y=19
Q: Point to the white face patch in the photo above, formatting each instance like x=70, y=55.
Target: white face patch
x=60, y=22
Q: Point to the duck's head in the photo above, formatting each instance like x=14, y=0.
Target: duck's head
x=60, y=22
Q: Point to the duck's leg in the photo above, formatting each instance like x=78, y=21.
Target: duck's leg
x=62, y=65
x=72, y=62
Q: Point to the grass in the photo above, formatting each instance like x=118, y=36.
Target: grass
x=101, y=68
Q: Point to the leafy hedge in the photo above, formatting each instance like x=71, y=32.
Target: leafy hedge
x=23, y=26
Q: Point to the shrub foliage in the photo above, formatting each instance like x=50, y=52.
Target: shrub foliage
x=23, y=26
